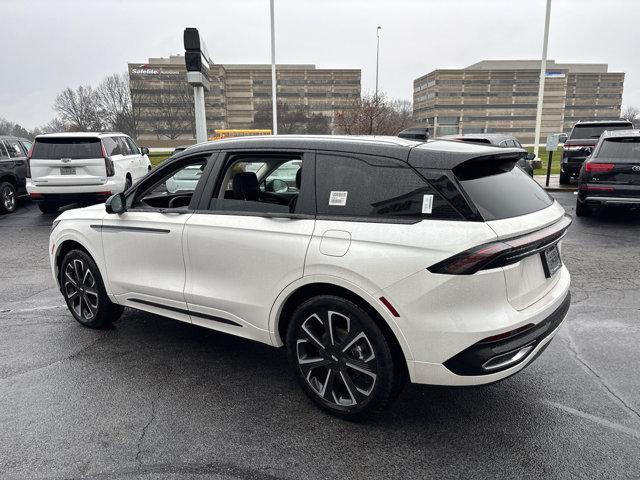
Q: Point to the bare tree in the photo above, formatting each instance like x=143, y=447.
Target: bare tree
x=374, y=115
x=172, y=112
x=114, y=100
x=292, y=118
x=79, y=108
x=632, y=114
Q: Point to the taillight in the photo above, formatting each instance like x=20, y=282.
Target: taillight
x=29, y=162
x=108, y=163
x=503, y=252
x=599, y=167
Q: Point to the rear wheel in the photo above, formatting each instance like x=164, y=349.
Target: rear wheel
x=84, y=292
x=48, y=207
x=8, y=197
x=341, y=358
x=565, y=178
x=583, y=210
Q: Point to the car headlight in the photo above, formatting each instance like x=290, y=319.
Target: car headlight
x=55, y=224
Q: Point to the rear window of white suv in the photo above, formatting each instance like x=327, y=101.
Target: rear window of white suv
x=66, y=147
x=501, y=190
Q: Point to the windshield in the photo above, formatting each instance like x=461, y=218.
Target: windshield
x=620, y=148
x=68, y=147
x=594, y=131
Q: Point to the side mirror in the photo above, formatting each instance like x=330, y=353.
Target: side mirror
x=562, y=138
x=588, y=150
x=116, y=204
x=530, y=156
x=144, y=150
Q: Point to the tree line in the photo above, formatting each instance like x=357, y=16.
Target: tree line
x=116, y=104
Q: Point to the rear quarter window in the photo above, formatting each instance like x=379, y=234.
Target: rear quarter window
x=501, y=190
x=364, y=187
x=66, y=147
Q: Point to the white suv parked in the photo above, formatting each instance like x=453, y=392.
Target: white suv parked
x=84, y=167
x=370, y=259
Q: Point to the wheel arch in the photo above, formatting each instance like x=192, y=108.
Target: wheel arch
x=65, y=247
x=296, y=294
x=11, y=178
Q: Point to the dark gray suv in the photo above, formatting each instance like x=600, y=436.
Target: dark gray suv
x=13, y=171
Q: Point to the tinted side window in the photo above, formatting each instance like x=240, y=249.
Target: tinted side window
x=124, y=147
x=132, y=146
x=13, y=148
x=111, y=146
x=3, y=151
x=375, y=187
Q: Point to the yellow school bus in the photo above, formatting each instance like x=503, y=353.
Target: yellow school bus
x=220, y=134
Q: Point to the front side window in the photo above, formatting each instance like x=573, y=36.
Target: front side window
x=375, y=187
x=3, y=151
x=13, y=148
x=268, y=183
x=171, y=188
x=27, y=145
x=132, y=146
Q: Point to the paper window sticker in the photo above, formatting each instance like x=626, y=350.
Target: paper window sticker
x=427, y=203
x=338, y=199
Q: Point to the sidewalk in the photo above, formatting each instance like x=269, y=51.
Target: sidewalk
x=554, y=183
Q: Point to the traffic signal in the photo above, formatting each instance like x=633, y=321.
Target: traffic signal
x=196, y=57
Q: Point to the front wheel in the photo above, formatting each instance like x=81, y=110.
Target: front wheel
x=84, y=292
x=8, y=197
x=341, y=358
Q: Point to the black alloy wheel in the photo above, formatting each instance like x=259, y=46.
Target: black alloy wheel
x=8, y=197
x=83, y=290
x=341, y=357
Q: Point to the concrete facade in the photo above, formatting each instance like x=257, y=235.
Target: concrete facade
x=235, y=94
x=501, y=96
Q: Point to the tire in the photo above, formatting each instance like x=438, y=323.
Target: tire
x=48, y=207
x=83, y=290
x=341, y=358
x=565, y=178
x=8, y=197
x=583, y=210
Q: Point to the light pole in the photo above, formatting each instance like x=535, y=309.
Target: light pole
x=543, y=71
x=377, y=57
x=274, y=100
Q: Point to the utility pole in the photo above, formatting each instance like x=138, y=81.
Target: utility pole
x=274, y=100
x=377, y=57
x=543, y=71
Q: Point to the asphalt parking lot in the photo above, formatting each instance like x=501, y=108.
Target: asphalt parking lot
x=155, y=398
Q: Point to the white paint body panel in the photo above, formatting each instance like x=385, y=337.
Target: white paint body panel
x=243, y=269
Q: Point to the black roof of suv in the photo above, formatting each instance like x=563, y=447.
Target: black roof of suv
x=444, y=154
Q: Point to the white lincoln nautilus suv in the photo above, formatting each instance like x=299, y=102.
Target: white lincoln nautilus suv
x=372, y=260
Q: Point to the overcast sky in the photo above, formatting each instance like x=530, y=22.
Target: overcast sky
x=54, y=44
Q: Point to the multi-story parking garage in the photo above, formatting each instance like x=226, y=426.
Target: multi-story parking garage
x=501, y=96
x=161, y=96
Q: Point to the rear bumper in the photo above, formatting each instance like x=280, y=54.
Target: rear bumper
x=70, y=193
x=612, y=200
x=493, y=357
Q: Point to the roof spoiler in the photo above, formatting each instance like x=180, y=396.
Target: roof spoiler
x=420, y=134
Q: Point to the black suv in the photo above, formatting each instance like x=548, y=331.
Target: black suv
x=13, y=171
x=581, y=142
x=499, y=140
x=611, y=175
